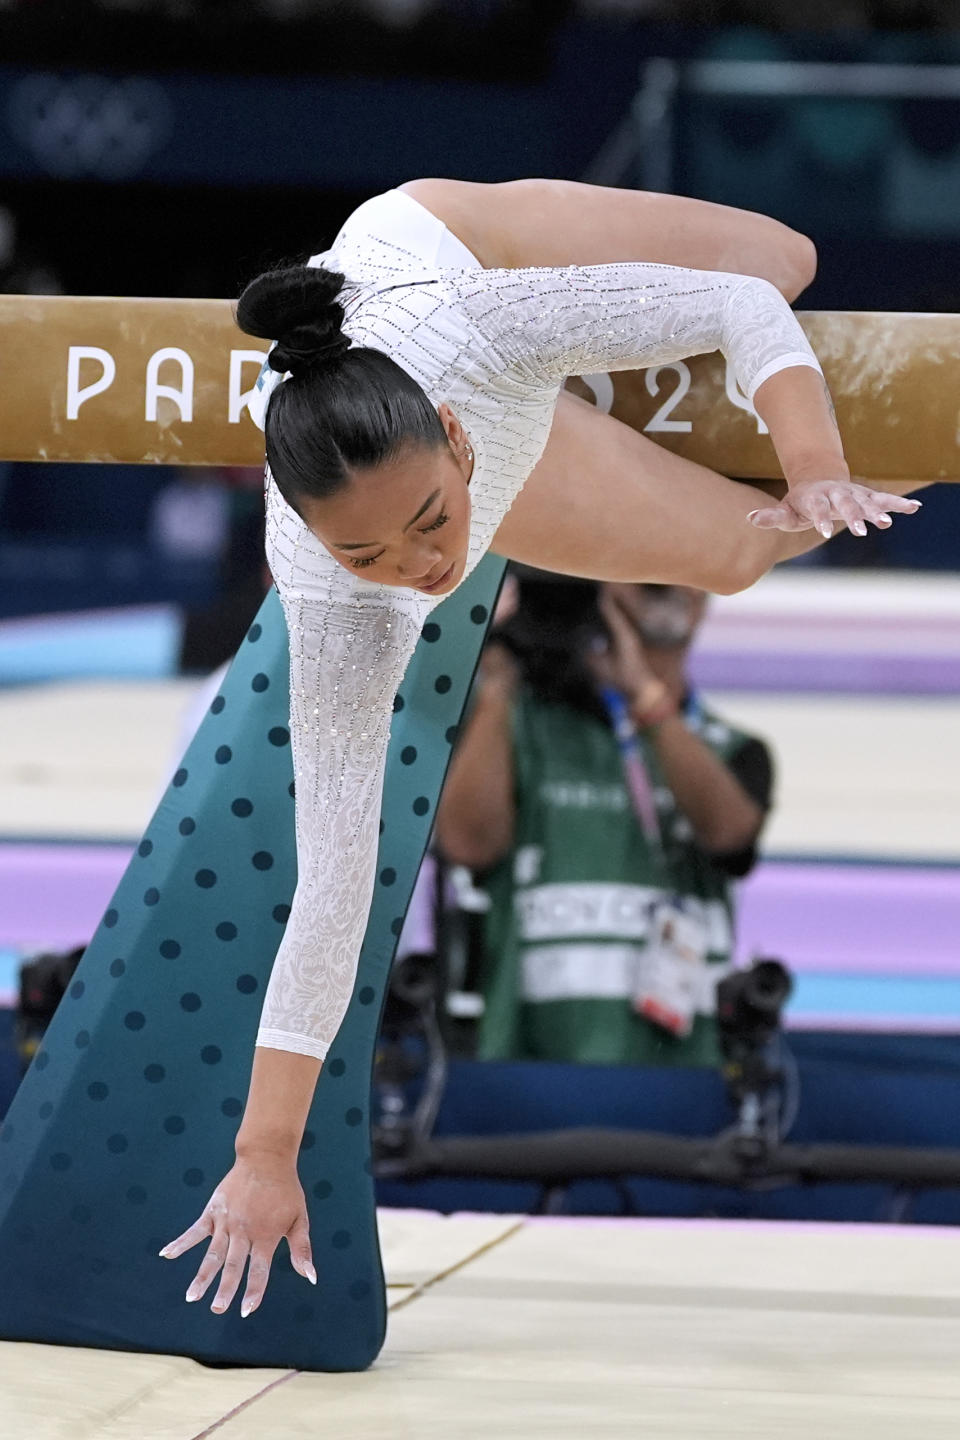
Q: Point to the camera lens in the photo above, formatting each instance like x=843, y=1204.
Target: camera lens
x=767, y=986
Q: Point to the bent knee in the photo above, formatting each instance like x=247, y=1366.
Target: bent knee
x=738, y=574
x=799, y=262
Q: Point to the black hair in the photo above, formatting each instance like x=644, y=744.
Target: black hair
x=345, y=407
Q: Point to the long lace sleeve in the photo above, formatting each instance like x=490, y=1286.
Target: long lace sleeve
x=347, y=659
x=549, y=323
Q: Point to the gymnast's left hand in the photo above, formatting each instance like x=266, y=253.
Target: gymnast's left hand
x=256, y=1205
x=821, y=504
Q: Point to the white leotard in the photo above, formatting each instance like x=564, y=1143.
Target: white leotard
x=496, y=345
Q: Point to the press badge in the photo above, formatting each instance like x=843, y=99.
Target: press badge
x=671, y=970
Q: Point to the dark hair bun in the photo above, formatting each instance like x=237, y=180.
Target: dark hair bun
x=298, y=308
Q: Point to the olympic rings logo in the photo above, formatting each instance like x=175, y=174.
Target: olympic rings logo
x=90, y=125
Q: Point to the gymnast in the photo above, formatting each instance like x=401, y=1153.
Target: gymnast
x=415, y=416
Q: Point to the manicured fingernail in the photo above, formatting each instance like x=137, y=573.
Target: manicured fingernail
x=164, y=1253
x=883, y=519
x=218, y=1307
x=859, y=528
x=826, y=529
x=310, y=1273
x=752, y=513
x=193, y=1294
x=245, y=1309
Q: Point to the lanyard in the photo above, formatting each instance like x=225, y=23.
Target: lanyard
x=636, y=774
x=635, y=771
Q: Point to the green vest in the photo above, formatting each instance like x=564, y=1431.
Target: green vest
x=569, y=903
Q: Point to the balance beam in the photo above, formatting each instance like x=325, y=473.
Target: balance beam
x=166, y=381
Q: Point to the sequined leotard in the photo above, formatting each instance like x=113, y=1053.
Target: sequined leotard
x=496, y=345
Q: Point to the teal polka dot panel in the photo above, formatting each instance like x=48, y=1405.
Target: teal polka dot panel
x=126, y=1119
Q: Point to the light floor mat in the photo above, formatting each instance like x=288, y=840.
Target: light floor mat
x=536, y=1328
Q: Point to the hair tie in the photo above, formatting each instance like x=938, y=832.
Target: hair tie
x=287, y=356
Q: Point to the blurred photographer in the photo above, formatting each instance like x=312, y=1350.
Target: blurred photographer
x=608, y=812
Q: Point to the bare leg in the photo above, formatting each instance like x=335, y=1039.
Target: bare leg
x=561, y=222
x=607, y=503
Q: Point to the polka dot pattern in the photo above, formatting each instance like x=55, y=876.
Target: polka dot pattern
x=139, y=1120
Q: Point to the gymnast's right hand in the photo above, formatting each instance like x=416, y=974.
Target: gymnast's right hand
x=256, y=1205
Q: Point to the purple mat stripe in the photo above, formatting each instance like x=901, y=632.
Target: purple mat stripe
x=838, y=672
x=873, y=947
x=853, y=919
x=53, y=896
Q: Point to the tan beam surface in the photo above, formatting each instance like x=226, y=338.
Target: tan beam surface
x=132, y=380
